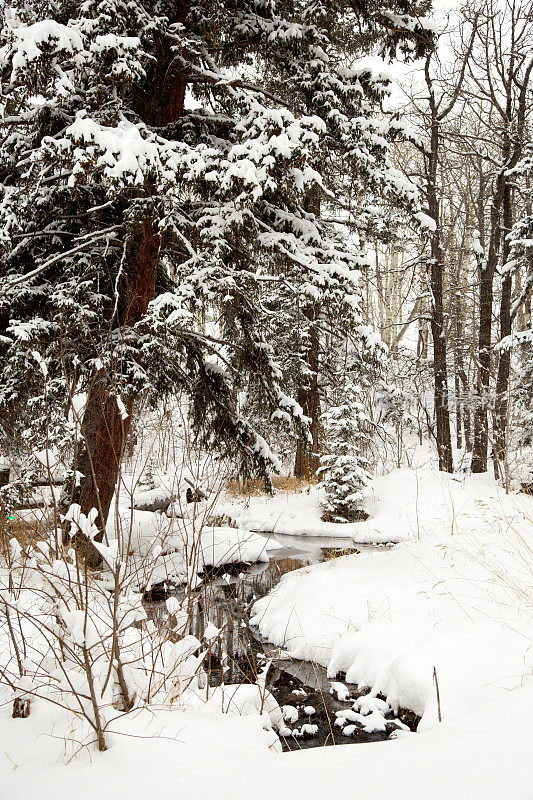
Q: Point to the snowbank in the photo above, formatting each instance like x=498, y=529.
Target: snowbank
x=404, y=504
x=150, y=752
x=164, y=549
x=482, y=755
x=455, y=598
x=298, y=514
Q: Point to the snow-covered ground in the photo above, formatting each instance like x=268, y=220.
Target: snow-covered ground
x=483, y=755
x=454, y=596
x=452, y=601
x=440, y=624
x=173, y=549
x=174, y=545
x=402, y=505
x=298, y=514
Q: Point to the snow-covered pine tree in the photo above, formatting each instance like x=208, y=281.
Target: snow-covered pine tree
x=356, y=176
x=345, y=467
x=156, y=159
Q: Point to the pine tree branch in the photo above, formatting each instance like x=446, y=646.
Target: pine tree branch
x=56, y=259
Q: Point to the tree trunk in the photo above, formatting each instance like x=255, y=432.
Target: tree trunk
x=458, y=413
x=466, y=412
x=104, y=427
x=487, y=271
x=442, y=414
x=481, y=423
x=504, y=364
x=458, y=325
x=514, y=121
x=307, y=458
x=525, y=319
x=307, y=453
x=104, y=435
x=21, y=708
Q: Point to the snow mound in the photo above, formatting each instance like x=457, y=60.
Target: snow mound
x=163, y=549
x=449, y=610
x=405, y=504
x=298, y=514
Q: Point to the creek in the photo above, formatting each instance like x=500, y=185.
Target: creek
x=225, y=598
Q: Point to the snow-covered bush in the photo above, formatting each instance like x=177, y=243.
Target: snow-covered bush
x=82, y=641
x=344, y=468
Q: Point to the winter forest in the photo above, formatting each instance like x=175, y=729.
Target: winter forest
x=266, y=399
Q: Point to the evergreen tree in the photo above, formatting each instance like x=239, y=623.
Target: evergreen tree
x=345, y=468
x=157, y=160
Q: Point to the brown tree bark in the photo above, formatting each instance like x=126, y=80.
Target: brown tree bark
x=504, y=362
x=458, y=413
x=524, y=311
x=438, y=111
x=104, y=431
x=436, y=279
x=307, y=458
x=486, y=293
x=512, y=149
x=482, y=354
x=104, y=428
x=467, y=425
x=440, y=373
x=457, y=316
x=512, y=119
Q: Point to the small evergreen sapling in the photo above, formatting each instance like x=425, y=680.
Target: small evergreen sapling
x=345, y=468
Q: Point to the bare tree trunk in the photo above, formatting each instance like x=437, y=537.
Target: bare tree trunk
x=442, y=414
x=467, y=425
x=458, y=413
x=307, y=453
x=486, y=281
x=504, y=363
x=439, y=109
x=457, y=315
x=526, y=320
x=307, y=458
x=512, y=149
x=513, y=120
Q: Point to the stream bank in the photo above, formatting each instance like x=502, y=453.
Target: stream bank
x=318, y=711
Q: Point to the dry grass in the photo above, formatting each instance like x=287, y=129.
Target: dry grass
x=283, y=483
x=26, y=530
x=329, y=553
x=265, y=581
x=288, y=483
x=284, y=565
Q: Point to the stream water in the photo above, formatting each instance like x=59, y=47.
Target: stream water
x=240, y=653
